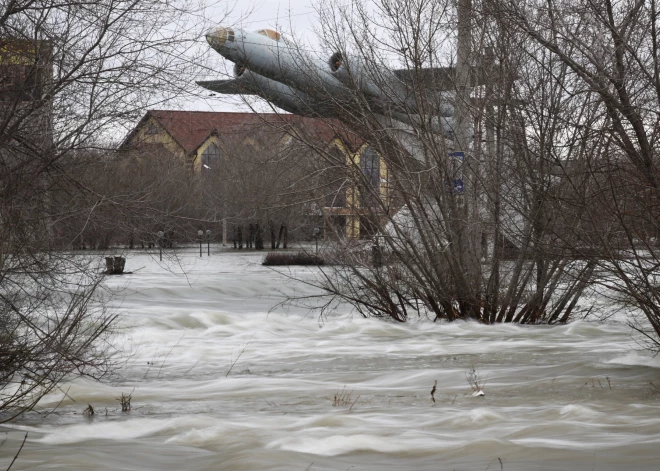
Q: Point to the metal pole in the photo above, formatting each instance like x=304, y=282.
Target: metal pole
x=208, y=244
x=316, y=233
x=462, y=113
x=469, y=245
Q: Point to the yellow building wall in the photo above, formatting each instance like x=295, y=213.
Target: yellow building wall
x=163, y=138
x=197, y=159
x=195, y=164
x=251, y=142
x=352, y=193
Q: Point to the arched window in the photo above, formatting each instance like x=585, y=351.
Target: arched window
x=370, y=168
x=210, y=158
x=153, y=129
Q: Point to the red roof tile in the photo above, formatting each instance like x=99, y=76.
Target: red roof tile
x=191, y=128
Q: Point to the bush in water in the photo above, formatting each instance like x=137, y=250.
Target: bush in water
x=297, y=258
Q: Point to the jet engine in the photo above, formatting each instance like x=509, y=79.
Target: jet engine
x=388, y=88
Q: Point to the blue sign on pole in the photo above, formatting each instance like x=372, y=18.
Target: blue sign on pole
x=456, y=164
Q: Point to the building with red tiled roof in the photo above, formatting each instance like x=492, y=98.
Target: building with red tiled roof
x=199, y=137
x=188, y=133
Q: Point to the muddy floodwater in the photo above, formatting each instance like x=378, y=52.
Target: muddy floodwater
x=574, y=397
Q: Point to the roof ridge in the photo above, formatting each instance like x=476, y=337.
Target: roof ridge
x=220, y=112
x=190, y=129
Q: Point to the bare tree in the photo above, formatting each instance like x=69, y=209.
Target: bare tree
x=71, y=75
x=607, y=52
x=471, y=236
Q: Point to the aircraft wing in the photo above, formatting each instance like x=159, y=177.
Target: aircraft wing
x=228, y=87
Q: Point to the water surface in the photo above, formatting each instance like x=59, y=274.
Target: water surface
x=572, y=397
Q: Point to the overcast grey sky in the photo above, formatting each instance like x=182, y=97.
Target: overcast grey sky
x=275, y=14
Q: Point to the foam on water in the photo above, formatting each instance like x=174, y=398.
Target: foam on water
x=634, y=358
x=332, y=445
x=577, y=411
x=121, y=430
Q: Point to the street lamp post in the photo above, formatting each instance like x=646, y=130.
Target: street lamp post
x=208, y=241
x=200, y=233
x=160, y=244
x=316, y=233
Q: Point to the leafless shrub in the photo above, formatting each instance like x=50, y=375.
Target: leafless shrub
x=72, y=75
x=342, y=398
x=593, y=383
x=89, y=411
x=481, y=237
x=613, y=181
x=125, y=402
x=49, y=336
x=297, y=258
x=476, y=381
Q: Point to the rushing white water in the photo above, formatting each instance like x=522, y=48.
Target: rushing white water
x=572, y=397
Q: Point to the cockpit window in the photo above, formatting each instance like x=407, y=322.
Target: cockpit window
x=270, y=34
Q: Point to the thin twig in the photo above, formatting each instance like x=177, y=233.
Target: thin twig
x=66, y=393
x=18, y=452
x=59, y=403
x=356, y=399
x=239, y=355
x=168, y=354
x=150, y=363
x=493, y=460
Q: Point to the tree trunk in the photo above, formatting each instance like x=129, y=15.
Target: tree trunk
x=271, y=226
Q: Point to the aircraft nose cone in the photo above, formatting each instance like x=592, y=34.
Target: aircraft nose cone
x=216, y=37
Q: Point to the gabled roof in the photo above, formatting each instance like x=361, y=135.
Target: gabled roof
x=191, y=128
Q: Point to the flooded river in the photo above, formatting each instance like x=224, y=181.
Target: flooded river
x=220, y=381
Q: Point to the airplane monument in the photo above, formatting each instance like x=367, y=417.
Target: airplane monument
x=269, y=66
